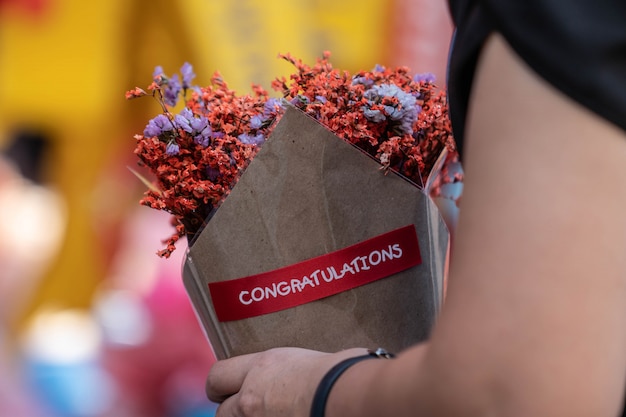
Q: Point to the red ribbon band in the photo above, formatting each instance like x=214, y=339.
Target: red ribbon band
x=316, y=278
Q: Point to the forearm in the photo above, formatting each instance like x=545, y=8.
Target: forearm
x=534, y=317
x=409, y=385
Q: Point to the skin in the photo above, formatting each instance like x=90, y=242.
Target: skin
x=534, y=322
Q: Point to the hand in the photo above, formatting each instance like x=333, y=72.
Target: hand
x=277, y=382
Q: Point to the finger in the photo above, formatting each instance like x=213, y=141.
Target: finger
x=229, y=408
x=226, y=376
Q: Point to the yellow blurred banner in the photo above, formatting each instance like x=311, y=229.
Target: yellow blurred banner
x=242, y=39
x=65, y=69
x=56, y=66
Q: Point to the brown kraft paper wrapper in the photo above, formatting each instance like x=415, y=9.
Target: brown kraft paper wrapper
x=305, y=194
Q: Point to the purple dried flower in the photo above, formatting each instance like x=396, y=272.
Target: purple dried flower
x=271, y=106
x=158, y=75
x=188, y=75
x=300, y=100
x=203, y=131
x=256, y=122
x=172, y=148
x=200, y=124
x=426, y=77
x=172, y=90
x=251, y=139
x=403, y=115
x=184, y=119
x=375, y=116
x=393, y=112
x=202, y=139
x=212, y=173
x=363, y=81
x=157, y=126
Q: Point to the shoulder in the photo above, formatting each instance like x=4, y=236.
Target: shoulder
x=578, y=47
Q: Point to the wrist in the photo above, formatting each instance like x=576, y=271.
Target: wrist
x=324, y=388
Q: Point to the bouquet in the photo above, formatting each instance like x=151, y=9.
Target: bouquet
x=308, y=215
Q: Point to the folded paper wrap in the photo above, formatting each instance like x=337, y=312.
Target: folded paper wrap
x=305, y=197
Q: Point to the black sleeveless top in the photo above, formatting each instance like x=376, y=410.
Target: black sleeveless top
x=579, y=46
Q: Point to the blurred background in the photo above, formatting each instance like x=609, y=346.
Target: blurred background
x=92, y=322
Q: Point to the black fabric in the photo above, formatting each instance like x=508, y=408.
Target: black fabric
x=579, y=46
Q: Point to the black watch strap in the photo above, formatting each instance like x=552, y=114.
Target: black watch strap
x=320, y=398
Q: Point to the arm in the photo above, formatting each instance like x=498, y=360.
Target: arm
x=535, y=317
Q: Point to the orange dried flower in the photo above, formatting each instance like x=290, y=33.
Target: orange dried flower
x=197, y=155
